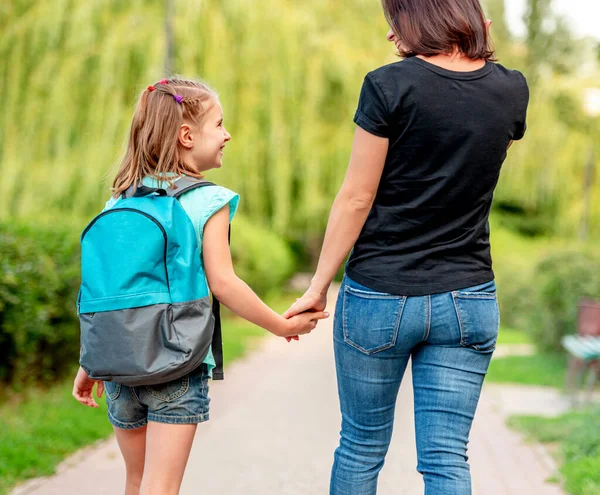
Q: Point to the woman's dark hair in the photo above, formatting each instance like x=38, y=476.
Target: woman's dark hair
x=433, y=27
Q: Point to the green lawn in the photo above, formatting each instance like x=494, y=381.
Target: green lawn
x=540, y=369
x=512, y=336
x=576, y=440
x=41, y=427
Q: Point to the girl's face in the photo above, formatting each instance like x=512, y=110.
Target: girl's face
x=209, y=140
x=391, y=37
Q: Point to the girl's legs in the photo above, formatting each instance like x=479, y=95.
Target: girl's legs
x=167, y=451
x=133, y=447
x=155, y=427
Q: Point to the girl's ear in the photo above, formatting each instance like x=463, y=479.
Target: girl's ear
x=488, y=24
x=185, y=137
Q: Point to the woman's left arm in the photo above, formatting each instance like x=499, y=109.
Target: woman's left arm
x=348, y=215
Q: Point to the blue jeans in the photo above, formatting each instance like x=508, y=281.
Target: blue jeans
x=181, y=401
x=450, y=338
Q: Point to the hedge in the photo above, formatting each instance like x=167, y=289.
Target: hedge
x=39, y=281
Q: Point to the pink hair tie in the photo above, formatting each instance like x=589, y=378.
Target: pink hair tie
x=163, y=81
x=151, y=88
x=178, y=98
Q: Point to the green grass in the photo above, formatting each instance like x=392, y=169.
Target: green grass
x=41, y=427
x=539, y=369
x=44, y=427
x=577, y=437
x=512, y=336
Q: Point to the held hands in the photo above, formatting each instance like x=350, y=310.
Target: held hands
x=82, y=388
x=311, y=305
x=302, y=324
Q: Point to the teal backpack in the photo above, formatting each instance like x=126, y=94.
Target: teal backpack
x=144, y=305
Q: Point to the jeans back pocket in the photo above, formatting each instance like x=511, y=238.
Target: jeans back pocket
x=371, y=319
x=112, y=389
x=168, y=392
x=478, y=319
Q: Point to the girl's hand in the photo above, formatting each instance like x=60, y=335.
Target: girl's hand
x=303, y=323
x=83, y=386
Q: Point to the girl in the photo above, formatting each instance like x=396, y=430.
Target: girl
x=433, y=131
x=178, y=130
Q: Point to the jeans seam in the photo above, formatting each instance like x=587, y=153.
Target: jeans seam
x=427, y=317
x=135, y=396
x=127, y=425
x=370, y=295
x=460, y=324
x=117, y=392
x=162, y=418
x=399, y=319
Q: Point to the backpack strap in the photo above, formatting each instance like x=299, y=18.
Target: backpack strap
x=185, y=184
x=139, y=190
x=181, y=186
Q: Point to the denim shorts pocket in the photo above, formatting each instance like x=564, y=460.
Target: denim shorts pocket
x=170, y=391
x=478, y=318
x=113, y=390
x=371, y=319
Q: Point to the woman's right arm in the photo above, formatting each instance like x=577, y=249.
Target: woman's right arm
x=234, y=293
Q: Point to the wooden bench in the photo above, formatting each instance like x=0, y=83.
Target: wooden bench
x=584, y=351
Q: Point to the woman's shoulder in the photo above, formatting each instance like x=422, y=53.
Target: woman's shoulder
x=393, y=70
x=512, y=74
x=512, y=82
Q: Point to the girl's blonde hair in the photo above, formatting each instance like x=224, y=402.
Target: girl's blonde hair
x=152, y=148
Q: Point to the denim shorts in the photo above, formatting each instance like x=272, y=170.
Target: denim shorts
x=181, y=401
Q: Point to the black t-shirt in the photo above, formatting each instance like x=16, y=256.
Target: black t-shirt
x=448, y=135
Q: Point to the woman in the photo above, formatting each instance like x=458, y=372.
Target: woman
x=433, y=131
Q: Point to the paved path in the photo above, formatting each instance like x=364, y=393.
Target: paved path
x=275, y=425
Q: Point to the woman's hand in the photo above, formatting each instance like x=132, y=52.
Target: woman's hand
x=302, y=324
x=311, y=300
x=83, y=386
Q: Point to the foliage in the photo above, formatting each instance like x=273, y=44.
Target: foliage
x=260, y=257
x=288, y=78
x=38, y=289
x=289, y=75
x=578, y=434
x=39, y=281
x=561, y=281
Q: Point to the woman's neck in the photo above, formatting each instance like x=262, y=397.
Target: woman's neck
x=455, y=61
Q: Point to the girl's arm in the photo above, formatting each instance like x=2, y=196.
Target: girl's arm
x=348, y=215
x=234, y=293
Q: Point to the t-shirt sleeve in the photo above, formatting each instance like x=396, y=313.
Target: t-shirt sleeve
x=372, y=112
x=202, y=203
x=110, y=203
x=219, y=198
x=521, y=108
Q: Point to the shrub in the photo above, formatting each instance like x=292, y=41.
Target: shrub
x=260, y=257
x=39, y=281
x=560, y=281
